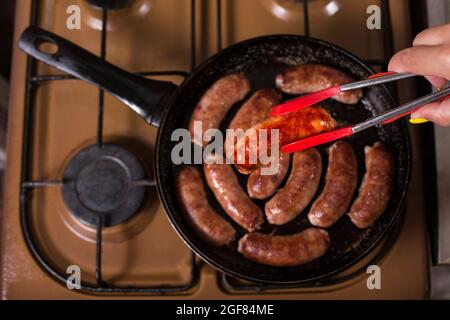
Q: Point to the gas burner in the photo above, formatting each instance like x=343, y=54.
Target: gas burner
x=100, y=183
x=293, y=10
x=110, y=4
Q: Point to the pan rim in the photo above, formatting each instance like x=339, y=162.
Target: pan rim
x=394, y=219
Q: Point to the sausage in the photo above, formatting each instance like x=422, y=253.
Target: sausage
x=207, y=223
x=253, y=111
x=285, y=251
x=291, y=127
x=299, y=190
x=215, y=103
x=340, y=184
x=376, y=188
x=261, y=186
x=314, y=77
x=228, y=192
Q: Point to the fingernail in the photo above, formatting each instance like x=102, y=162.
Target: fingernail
x=418, y=120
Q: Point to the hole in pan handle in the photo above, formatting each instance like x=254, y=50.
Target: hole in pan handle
x=144, y=96
x=46, y=46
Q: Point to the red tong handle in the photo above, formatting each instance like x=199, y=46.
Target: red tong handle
x=380, y=74
x=305, y=101
x=317, y=140
x=313, y=98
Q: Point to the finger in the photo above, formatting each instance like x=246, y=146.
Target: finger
x=433, y=36
x=437, y=82
x=438, y=112
x=423, y=60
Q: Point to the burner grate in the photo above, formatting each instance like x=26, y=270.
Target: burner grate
x=110, y=4
x=32, y=82
x=227, y=283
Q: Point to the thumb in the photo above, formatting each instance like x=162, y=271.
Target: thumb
x=437, y=82
x=438, y=112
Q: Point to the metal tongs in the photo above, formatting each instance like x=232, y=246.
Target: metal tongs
x=383, y=118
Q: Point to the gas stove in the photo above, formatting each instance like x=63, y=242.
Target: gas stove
x=74, y=152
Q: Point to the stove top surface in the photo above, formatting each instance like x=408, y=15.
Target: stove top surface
x=139, y=248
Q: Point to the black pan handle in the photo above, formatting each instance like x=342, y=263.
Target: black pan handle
x=144, y=96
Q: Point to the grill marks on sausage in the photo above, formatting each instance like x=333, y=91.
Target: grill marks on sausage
x=206, y=222
x=340, y=184
x=216, y=102
x=314, y=77
x=299, y=190
x=285, y=250
x=376, y=188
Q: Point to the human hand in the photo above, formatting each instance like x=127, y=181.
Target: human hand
x=429, y=56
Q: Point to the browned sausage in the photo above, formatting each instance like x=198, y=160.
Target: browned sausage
x=314, y=77
x=284, y=251
x=291, y=127
x=299, y=190
x=225, y=185
x=261, y=186
x=215, y=103
x=376, y=188
x=340, y=184
x=253, y=111
x=208, y=224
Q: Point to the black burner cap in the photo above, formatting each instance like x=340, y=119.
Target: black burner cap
x=110, y=4
x=99, y=182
